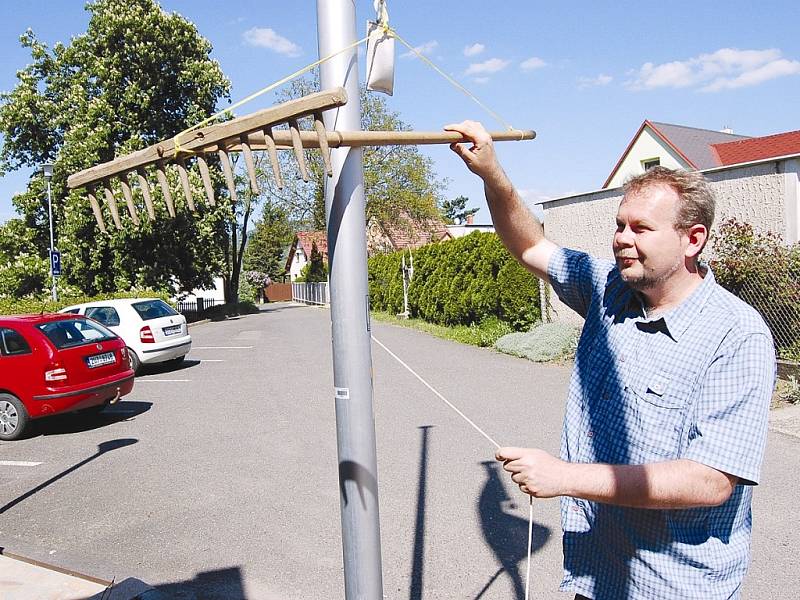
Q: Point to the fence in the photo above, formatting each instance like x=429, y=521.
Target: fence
x=311, y=293
x=195, y=308
x=776, y=296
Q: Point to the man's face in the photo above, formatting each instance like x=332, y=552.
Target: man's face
x=647, y=247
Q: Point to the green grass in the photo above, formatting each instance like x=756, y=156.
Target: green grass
x=484, y=334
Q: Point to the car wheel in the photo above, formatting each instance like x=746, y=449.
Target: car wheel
x=13, y=417
x=134, y=361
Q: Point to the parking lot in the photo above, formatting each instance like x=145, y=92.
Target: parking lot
x=219, y=479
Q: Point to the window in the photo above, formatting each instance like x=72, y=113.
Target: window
x=649, y=163
x=12, y=343
x=75, y=332
x=153, y=309
x=107, y=315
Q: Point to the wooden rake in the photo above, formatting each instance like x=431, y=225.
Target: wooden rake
x=254, y=132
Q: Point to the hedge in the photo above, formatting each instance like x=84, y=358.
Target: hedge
x=23, y=306
x=459, y=282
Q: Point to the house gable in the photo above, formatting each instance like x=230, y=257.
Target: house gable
x=673, y=146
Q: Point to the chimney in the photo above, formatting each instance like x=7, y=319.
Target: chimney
x=470, y=218
x=726, y=129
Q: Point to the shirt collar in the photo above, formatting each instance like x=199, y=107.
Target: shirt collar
x=678, y=319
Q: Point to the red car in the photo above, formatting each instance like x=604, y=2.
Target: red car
x=51, y=364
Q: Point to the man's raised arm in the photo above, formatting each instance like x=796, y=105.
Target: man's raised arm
x=519, y=230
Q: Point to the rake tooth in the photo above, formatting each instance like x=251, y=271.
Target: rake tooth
x=161, y=173
x=248, y=160
x=112, y=203
x=322, y=134
x=206, y=177
x=297, y=145
x=180, y=164
x=98, y=214
x=141, y=175
x=272, y=150
x=126, y=192
x=226, y=169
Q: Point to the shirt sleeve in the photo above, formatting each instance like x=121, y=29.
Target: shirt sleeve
x=729, y=429
x=575, y=275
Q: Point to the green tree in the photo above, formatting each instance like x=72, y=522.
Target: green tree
x=456, y=211
x=266, y=249
x=316, y=269
x=136, y=76
x=399, y=181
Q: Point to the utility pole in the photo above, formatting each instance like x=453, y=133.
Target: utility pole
x=352, y=358
x=47, y=171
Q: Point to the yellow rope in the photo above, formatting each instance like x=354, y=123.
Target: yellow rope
x=260, y=92
x=396, y=35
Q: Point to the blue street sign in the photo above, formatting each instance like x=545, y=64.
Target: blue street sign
x=55, y=262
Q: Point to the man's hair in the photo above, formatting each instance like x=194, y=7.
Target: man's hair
x=696, y=200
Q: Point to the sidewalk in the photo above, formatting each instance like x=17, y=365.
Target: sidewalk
x=786, y=420
x=24, y=579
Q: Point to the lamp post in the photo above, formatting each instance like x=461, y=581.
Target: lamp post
x=47, y=171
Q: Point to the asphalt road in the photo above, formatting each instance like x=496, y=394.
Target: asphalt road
x=219, y=479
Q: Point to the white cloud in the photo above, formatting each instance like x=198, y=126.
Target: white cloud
x=600, y=80
x=264, y=37
x=474, y=49
x=481, y=80
x=493, y=65
x=425, y=49
x=727, y=68
x=534, y=62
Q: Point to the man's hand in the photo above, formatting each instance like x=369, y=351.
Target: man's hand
x=535, y=471
x=480, y=157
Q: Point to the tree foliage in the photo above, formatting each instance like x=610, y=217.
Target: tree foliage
x=267, y=245
x=399, y=181
x=316, y=269
x=136, y=76
x=456, y=211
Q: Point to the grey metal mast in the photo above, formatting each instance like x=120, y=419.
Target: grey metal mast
x=352, y=358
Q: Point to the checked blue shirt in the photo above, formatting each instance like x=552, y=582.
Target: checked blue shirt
x=693, y=383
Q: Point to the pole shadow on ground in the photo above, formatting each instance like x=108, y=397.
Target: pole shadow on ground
x=102, y=448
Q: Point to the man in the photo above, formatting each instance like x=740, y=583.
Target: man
x=666, y=417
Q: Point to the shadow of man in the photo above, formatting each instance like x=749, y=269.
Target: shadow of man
x=504, y=532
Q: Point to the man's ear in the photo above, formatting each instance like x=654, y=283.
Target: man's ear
x=697, y=235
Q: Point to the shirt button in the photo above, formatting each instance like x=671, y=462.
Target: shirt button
x=621, y=358
x=589, y=433
x=605, y=395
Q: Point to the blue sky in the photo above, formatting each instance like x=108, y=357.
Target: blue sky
x=584, y=75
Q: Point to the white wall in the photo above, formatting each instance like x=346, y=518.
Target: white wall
x=765, y=195
x=648, y=145
x=299, y=261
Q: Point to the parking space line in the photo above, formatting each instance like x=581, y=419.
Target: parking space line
x=18, y=463
x=222, y=347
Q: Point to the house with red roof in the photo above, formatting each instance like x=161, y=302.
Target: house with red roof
x=300, y=251
x=405, y=234
x=756, y=180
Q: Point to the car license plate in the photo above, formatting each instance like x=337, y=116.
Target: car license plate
x=172, y=330
x=98, y=360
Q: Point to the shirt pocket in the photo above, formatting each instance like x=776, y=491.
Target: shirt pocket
x=656, y=413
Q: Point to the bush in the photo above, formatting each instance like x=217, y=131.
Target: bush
x=467, y=281
x=764, y=272
x=21, y=306
x=542, y=343
x=222, y=311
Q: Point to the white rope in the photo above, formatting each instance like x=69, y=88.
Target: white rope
x=484, y=434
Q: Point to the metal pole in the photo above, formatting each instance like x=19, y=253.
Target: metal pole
x=352, y=358
x=52, y=245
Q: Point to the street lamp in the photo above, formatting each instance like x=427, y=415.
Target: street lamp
x=47, y=171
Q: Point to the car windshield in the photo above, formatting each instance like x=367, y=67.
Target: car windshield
x=153, y=309
x=75, y=332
